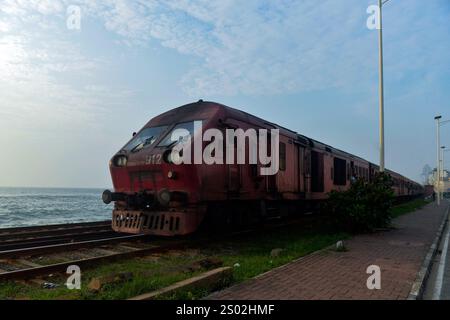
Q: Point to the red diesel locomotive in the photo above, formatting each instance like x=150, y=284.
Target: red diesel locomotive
x=153, y=195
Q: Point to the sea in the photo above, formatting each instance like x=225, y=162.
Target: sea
x=21, y=207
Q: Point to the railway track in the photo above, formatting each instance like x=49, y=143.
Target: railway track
x=28, y=251
x=40, y=261
x=21, y=264
x=16, y=238
x=53, y=226
x=35, y=231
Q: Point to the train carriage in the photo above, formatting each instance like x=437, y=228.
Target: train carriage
x=154, y=195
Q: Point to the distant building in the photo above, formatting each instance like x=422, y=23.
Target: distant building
x=445, y=181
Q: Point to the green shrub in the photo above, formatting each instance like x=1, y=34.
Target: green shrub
x=364, y=207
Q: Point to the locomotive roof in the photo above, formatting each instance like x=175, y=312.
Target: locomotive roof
x=206, y=109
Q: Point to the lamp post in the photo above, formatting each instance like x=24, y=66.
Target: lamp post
x=439, y=123
x=441, y=181
x=381, y=85
x=444, y=150
x=438, y=162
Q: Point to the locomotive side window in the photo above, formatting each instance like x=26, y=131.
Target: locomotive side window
x=282, y=156
x=145, y=138
x=340, y=173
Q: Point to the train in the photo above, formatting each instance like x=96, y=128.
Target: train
x=155, y=195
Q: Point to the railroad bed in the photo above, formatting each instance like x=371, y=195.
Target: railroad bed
x=33, y=260
x=26, y=237
x=52, y=227
x=37, y=251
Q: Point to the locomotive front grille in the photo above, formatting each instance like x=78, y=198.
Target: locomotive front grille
x=156, y=223
x=127, y=221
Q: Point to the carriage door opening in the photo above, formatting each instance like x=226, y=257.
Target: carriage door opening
x=340, y=174
x=301, y=170
x=352, y=169
x=233, y=171
x=317, y=183
x=271, y=180
x=307, y=170
x=234, y=175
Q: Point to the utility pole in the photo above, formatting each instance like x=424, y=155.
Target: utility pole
x=438, y=161
x=442, y=171
x=381, y=87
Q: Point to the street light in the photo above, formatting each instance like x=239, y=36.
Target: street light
x=439, y=123
x=442, y=169
x=438, y=163
x=381, y=86
x=444, y=150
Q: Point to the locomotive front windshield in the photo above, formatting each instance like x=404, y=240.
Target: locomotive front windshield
x=145, y=138
x=188, y=128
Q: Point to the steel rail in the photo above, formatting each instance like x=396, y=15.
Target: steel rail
x=62, y=267
x=52, y=226
x=58, y=239
x=48, y=234
x=36, y=230
x=7, y=254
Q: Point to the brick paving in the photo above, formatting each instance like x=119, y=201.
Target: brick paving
x=328, y=274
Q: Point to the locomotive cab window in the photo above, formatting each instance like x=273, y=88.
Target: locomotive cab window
x=145, y=138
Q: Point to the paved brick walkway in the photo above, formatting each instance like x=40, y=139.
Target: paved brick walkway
x=342, y=275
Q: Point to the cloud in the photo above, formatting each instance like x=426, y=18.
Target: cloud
x=37, y=62
x=267, y=47
x=271, y=47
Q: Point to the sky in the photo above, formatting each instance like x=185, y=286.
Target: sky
x=72, y=94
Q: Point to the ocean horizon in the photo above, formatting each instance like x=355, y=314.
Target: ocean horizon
x=31, y=206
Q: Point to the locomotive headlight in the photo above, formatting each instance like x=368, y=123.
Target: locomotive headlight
x=164, y=197
x=167, y=156
x=171, y=175
x=120, y=161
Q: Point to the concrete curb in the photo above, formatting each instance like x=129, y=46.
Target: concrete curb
x=203, y=280
x=419, y=284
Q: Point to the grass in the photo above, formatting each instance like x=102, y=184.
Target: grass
x=249, y=255
x=254, y=257
x=147, y=275
x=408, y=207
